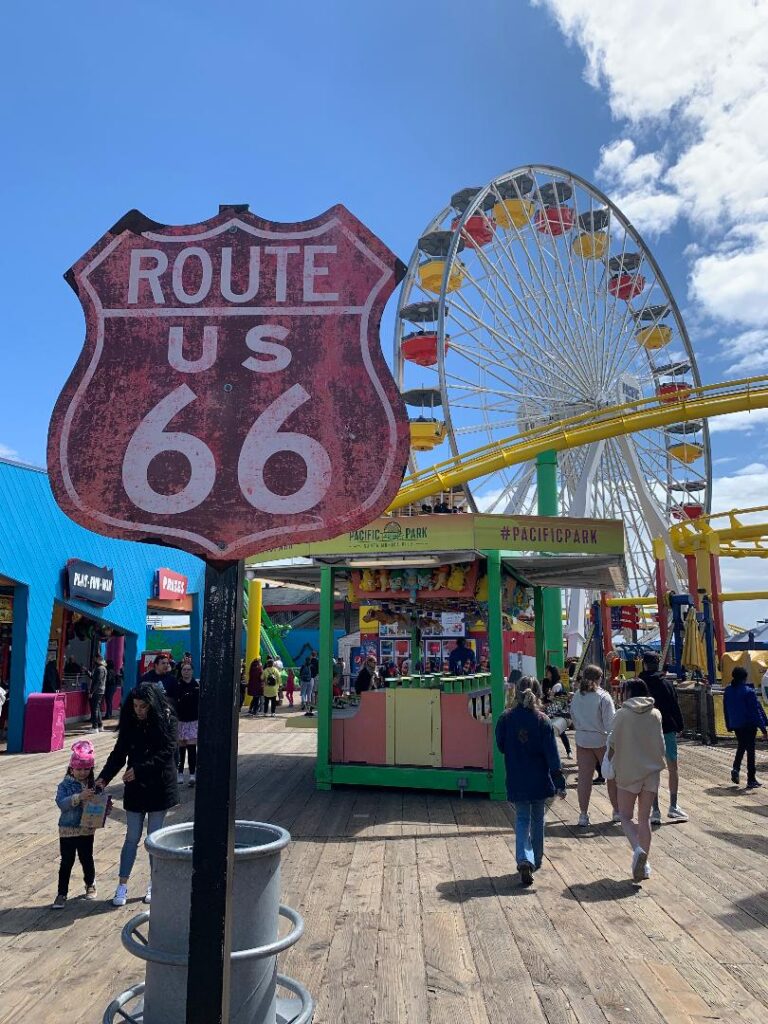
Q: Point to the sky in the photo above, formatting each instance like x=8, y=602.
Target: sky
x=174, y=107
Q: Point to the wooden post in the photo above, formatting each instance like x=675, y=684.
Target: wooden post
x=210, y=924
x=325, y=696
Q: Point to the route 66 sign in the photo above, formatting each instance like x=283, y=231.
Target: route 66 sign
x=231, y=393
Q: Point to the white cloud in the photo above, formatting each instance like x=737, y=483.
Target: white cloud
x=635, y=184
x=744, y=421
x=7, y=453
x=749, y=352
x=732, y=282
x=696, y=72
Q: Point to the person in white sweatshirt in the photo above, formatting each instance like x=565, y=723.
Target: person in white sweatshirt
x=636, y=749
x=592, y=714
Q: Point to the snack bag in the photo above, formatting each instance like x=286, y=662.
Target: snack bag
x=95, y=811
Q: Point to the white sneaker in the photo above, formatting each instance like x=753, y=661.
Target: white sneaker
x=192, y=779
x=646, y=872
x=583, y=821
x=616, y=818
x=655, y=817
x=677, y=814
x=148, y=894
x=180, y=778
x=639, y=861
x=121, y=896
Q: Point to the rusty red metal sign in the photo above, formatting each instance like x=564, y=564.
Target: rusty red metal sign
x=231, y=394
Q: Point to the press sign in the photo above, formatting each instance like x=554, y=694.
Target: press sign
x=170, y=586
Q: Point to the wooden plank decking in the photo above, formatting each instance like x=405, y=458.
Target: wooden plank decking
x=411, y=903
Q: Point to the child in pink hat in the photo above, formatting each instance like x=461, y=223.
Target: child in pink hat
x=74, y=790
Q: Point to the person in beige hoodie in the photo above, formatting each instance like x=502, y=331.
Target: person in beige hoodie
x=636, y=750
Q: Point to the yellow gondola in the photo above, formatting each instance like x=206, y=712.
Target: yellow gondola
x=591, y=246
x=654, y=337
x=427, y=434
x=513, y=213
x=686, y=452
x=431, y=276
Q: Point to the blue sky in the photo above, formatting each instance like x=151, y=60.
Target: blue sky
x=174, y=107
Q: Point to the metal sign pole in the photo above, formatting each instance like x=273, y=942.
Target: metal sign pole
x=210, y=923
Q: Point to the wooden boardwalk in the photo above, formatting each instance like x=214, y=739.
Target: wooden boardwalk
x=411, y=903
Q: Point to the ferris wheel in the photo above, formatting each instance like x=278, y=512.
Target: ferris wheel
x=531, y=300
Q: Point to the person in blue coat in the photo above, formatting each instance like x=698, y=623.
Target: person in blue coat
x=744, y=715
x=526, y=738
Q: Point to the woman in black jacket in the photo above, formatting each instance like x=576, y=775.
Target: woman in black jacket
x=187, y=708
x=146, y=740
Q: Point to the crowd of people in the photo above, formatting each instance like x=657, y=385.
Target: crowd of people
x=626, y=750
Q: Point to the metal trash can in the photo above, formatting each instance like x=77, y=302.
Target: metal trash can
x=256, y=909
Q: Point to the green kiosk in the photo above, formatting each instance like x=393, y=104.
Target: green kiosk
x=430, y=729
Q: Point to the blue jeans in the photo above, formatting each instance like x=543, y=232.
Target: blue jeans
x=135, y=820
x=529, y=832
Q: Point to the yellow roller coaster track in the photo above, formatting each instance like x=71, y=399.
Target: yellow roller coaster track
x=647, y=413
x=734, y=539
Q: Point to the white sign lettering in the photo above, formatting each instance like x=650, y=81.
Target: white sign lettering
x=189, y=277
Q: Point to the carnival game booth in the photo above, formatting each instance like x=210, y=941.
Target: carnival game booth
x=429, y=729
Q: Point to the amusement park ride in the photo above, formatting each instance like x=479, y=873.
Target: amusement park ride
x=537, y=339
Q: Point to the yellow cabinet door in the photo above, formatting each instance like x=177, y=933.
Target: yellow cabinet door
x=417, y=727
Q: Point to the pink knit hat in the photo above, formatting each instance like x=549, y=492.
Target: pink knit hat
x=82, y=755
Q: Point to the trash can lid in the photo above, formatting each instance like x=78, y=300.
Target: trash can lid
x=252, y=839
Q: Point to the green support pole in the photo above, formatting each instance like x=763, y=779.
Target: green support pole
x=539, y=635
x=552, y=599
x=324, y=697
x=498, y=668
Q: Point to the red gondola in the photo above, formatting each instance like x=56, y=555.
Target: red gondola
x=421, y=347
x=478, y=228
x=626, y=286
x=554, y=220
x=673, y=392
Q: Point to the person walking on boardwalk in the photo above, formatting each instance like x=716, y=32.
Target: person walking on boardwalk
x=744, y=715
x=307, y=686
x=636, y=752
x=188, y=711
x=666, y=702
x=271, y=686
x=73, y=792
x=526, y=738
x=96, y=691
x=556, y=704
x=146, y=741
x=592, y=714
x=255, y=686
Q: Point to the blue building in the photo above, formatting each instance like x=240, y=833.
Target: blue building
x=65, y=591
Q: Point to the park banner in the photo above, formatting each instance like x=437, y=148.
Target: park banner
x=404, y=535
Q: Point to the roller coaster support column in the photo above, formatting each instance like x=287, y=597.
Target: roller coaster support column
x=253, y=627
x=678, y=602
x=718, y=619
x=659, y=555
x=552, y=600
x=606, y=628
x=709, y=639
x=693, y=580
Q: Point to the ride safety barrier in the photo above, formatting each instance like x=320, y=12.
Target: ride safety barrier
x=733, y=539
x=654, y=412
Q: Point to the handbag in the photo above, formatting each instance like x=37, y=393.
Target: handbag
x=609, y=772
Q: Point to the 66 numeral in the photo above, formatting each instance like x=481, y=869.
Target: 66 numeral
x=262, y=441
